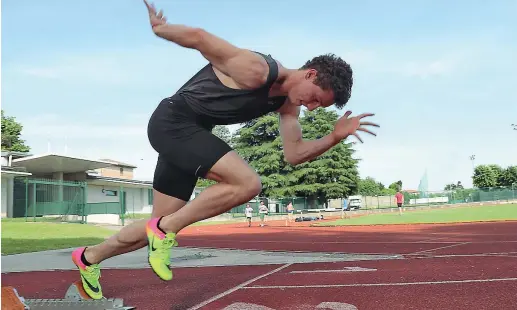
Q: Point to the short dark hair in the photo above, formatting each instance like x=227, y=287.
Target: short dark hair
x=335, y=74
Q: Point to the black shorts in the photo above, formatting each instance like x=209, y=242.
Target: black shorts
x=399, y=204
x=186, y=148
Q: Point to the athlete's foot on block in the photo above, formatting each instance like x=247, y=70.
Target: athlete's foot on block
x=160, y=244
x=90, y=274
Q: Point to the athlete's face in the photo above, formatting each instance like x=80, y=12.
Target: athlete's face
x=306, y=93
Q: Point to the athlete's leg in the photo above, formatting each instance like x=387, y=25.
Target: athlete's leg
x=133, y=237
x=238, y=183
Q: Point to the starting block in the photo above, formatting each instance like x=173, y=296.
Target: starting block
x=75, y=298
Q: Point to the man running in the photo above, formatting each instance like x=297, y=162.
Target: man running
x=236, y=86
x=249, y=214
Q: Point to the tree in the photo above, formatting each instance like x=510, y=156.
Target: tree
x=396, y=186
x=452, y=186
x=499, y=172
x=223, y=133
x=369, y=187
x=331, y=175
x=485, y=176
x=509, y=177
x=259, y=143
x=11, y=135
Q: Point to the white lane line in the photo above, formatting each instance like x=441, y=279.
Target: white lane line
x=219, y=296
x=380, y=284
x=345, y=269
x=443, y=247
x=499, y=255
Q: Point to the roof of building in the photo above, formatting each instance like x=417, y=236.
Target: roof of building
x=50, y=163
x=118, y=163
x=15, y=171
x=93, y=177
x=15, y=154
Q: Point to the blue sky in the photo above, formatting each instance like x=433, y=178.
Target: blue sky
x=439, y=75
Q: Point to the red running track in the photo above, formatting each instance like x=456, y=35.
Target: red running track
x=453, y=276
x=427, y=283
x=486, y=237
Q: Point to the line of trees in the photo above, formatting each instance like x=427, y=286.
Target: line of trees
x=370, y=187
x=494, y=176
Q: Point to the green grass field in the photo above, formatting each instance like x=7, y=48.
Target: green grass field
x=24, y=237
x=19, y=236
x=462, y=214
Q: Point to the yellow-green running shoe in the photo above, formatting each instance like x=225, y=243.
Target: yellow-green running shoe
x=159, y=249
x=90, y=275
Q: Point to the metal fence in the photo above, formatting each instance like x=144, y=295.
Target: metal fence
x=40, y=199
x=416, y=199
x=411, y=199
x=54, y=200
x=61, y=201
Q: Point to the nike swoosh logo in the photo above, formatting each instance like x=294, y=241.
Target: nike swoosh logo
x=152, y=245
x=93, y=288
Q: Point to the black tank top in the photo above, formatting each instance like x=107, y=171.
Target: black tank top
x=216, y=104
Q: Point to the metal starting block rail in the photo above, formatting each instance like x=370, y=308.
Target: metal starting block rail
x=75, y=298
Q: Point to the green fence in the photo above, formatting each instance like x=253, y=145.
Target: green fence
x=49, y=200
x=416, y=199
x=64, y=201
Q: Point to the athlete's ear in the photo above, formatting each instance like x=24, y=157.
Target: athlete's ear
x=311, y=74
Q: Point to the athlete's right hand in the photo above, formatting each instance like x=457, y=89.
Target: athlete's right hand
x=156, y=19
x=346, y=126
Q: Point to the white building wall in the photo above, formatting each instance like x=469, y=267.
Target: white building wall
x=134, y=200
x=137, y=200
x=7, y=195
x=4, y=195
x=95, y=193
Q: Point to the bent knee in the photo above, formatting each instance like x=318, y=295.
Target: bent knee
x=248, y=189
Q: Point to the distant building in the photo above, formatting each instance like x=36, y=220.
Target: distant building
x=39, y=185
x=9, y=173
x=117, y=169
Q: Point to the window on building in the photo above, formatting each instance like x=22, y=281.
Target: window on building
x=108, y=192
x=121, y=171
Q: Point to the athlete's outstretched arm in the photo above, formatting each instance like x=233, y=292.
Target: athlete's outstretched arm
x=246, y=68
x=297, y=150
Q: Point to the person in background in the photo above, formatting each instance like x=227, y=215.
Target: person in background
x=400, y=200
x=262, y=212
x=290, y=212
x=249, y=213
x=345, y=207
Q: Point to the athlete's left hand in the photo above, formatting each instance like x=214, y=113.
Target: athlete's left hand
x=345, y=126
x=156, y=19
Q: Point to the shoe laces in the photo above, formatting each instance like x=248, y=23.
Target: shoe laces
x=169, y=241
x=93, y=271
